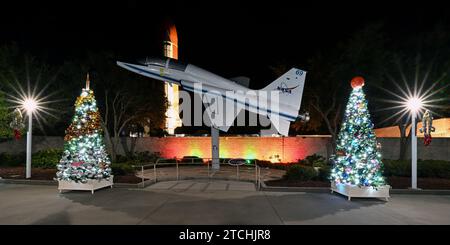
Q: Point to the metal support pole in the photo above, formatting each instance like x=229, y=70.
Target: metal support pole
x=237, y=172
x=28, y=167
x=215, y=148
x=413, y=152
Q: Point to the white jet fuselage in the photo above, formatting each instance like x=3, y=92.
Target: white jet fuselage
x=280, y=100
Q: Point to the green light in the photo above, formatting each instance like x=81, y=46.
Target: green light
x=249, y=154
x=195, y=152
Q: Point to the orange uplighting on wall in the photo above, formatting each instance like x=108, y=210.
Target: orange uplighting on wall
x=274, y=149
x=441, y=125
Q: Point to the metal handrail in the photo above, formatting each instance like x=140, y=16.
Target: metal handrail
x=208, y=161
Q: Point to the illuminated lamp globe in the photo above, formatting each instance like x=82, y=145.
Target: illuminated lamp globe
x=414, y=104
x=29, y=105
x=357, y=82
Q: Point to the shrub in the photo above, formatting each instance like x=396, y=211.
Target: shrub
x=314, y=161
x=268, y=164
x=397, y=167
x=433, y=168
x=191, y=159
x=146, y=157
x=122, y=159
x=425, y=168
x=139, y=157
x=167, y=160
x=120, y=169
x=48, y=158
x=324, y=173
x=11, y=160
x=299, y=172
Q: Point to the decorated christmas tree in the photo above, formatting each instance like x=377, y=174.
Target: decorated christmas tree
x=357, y=160
x=84, y=155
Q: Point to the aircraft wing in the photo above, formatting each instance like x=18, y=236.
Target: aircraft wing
x=220, y=111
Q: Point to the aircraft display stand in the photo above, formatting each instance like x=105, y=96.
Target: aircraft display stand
x=215, y=164
x=363, y=191
x=91, y=185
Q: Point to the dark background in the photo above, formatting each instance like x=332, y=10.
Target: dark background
x=333, y=41
x=228, y=38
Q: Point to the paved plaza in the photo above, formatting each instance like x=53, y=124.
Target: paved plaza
x=226, y=172
x=211, y=202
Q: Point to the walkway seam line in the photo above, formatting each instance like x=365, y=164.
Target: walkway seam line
x=270, y=203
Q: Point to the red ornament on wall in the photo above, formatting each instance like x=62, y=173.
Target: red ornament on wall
x=357, y=82
x=17, y=134
x=427, y=139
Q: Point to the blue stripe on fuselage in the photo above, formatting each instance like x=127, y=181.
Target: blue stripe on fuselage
x=151, y=73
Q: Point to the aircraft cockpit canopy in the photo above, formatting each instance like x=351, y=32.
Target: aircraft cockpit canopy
x=164, y=62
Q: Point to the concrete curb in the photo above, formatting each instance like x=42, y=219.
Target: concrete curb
x=28, y=182
x=264, y=187
x=55, y=183
x=420, y=192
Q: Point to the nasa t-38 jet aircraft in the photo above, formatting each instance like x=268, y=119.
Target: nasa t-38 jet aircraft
x=281, y=109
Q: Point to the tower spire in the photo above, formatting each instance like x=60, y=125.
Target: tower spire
x=87, y=81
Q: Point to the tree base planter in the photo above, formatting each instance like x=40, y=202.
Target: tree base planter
x=91, y=185
x=363, y=191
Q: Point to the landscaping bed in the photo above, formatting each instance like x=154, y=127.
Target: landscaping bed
x=19, y=173
x=129, y=179
x=49, y=174
x=423, y=183
x=394, y=181
x=314, y=171
x=296, y=183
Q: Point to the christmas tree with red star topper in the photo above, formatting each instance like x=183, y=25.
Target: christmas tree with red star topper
x=357, y=160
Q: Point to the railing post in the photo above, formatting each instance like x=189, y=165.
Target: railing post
x=142, y=176
x=256, y=174
x=176, y=161
x=237, y=171
x=259, y=179
x=154, y=171
x=207, y=163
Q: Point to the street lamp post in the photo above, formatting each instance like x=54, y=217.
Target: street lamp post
x=413, y=152
x=30, y=106
x=414, y=104
x=30, y=121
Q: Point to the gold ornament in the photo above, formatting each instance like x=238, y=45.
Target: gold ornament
x=91, y=124
x=340, y=153
x=102, y=165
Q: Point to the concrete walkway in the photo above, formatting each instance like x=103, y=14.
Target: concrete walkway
x=217, y=202
x=226, y=172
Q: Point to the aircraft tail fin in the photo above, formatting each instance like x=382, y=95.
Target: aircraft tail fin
x=282, y=126
x=290, y=85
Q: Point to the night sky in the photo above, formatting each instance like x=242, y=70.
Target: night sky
x=229, y=39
